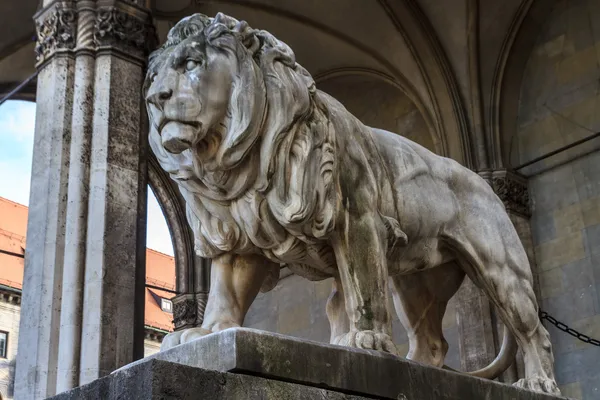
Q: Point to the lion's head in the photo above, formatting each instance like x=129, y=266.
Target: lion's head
x=232, y=113
x=215, y=87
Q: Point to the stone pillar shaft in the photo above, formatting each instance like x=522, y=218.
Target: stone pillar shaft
x=77, y=201
x=40, y=308
x=83, y=298
x=113, y=312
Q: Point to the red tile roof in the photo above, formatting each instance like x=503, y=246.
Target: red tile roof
x=160, y=268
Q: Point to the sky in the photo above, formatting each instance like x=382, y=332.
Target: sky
x=17, y=125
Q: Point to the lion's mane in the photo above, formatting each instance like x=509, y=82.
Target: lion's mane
x=270, y=185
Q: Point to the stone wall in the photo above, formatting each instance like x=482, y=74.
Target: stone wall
x=296, y=307
x=560, y=103
x=9, y=322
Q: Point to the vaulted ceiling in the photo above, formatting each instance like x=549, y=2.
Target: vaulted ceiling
x=447, y=57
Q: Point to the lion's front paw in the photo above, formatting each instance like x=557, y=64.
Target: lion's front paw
x=539, y=384
x=179, y=337
x=369, y=340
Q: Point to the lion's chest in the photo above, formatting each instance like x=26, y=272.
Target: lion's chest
x=248, y=225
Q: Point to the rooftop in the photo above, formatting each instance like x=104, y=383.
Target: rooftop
x=160, y=267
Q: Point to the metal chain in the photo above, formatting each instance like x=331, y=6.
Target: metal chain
x=565, y=328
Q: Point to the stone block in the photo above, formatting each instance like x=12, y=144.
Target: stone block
x=551, y=283
x=560, y=251
x=578, y=275
x=310, y=364
x=589, y=326
x=573, y=305
x=568, y=220
x=586, y=172
x=590, y=388
x=554, y=189
x=592, y=239
x=590, y=209
x=160, y=380
x=543, y=227
x=577, y=366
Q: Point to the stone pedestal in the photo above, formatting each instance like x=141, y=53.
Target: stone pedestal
x=242, y=363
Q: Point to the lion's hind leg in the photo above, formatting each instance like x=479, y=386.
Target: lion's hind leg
x=420, y=300
x=496, y=261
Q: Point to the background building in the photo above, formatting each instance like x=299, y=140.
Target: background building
x=510, y=89
x=160, y=279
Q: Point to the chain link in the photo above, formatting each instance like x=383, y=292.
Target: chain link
x=565, y=328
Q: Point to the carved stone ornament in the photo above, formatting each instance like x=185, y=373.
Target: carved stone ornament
x=56, y=29
x=201, y=299
x=512, y=190
x=119, y=29
x=184, y=311
x=274, y=171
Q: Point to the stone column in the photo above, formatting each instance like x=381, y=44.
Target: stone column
x=113, y=310
x=480, y=328
x=77, y=200
x=40, y=309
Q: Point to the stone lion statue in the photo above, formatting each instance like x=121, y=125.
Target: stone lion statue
x=274, y=171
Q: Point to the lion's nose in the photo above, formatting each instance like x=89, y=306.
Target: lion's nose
x=159, y=97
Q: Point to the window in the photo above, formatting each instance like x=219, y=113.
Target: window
x=3, y=344
x=166, y=305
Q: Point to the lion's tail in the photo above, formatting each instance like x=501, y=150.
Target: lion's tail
x=503, y=360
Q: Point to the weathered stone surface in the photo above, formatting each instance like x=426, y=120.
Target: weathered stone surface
x=156, y=379
x=363, y=372
x=115, y=252
x=42, y=280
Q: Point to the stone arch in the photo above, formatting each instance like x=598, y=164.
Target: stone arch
x=508, y=76
x=423, y=73
x=173, y=208
x=448, y=108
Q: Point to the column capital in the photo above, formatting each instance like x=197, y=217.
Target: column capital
x=56, y=28
x=511, y=187
x=119, y=26
x=185, y=310
x=188, y=309
x=126, y=28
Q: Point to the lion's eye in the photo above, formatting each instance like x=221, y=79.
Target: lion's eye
x=191, y=64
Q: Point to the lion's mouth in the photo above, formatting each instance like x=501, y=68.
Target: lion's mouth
x=177, y=136
x=193, y=124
